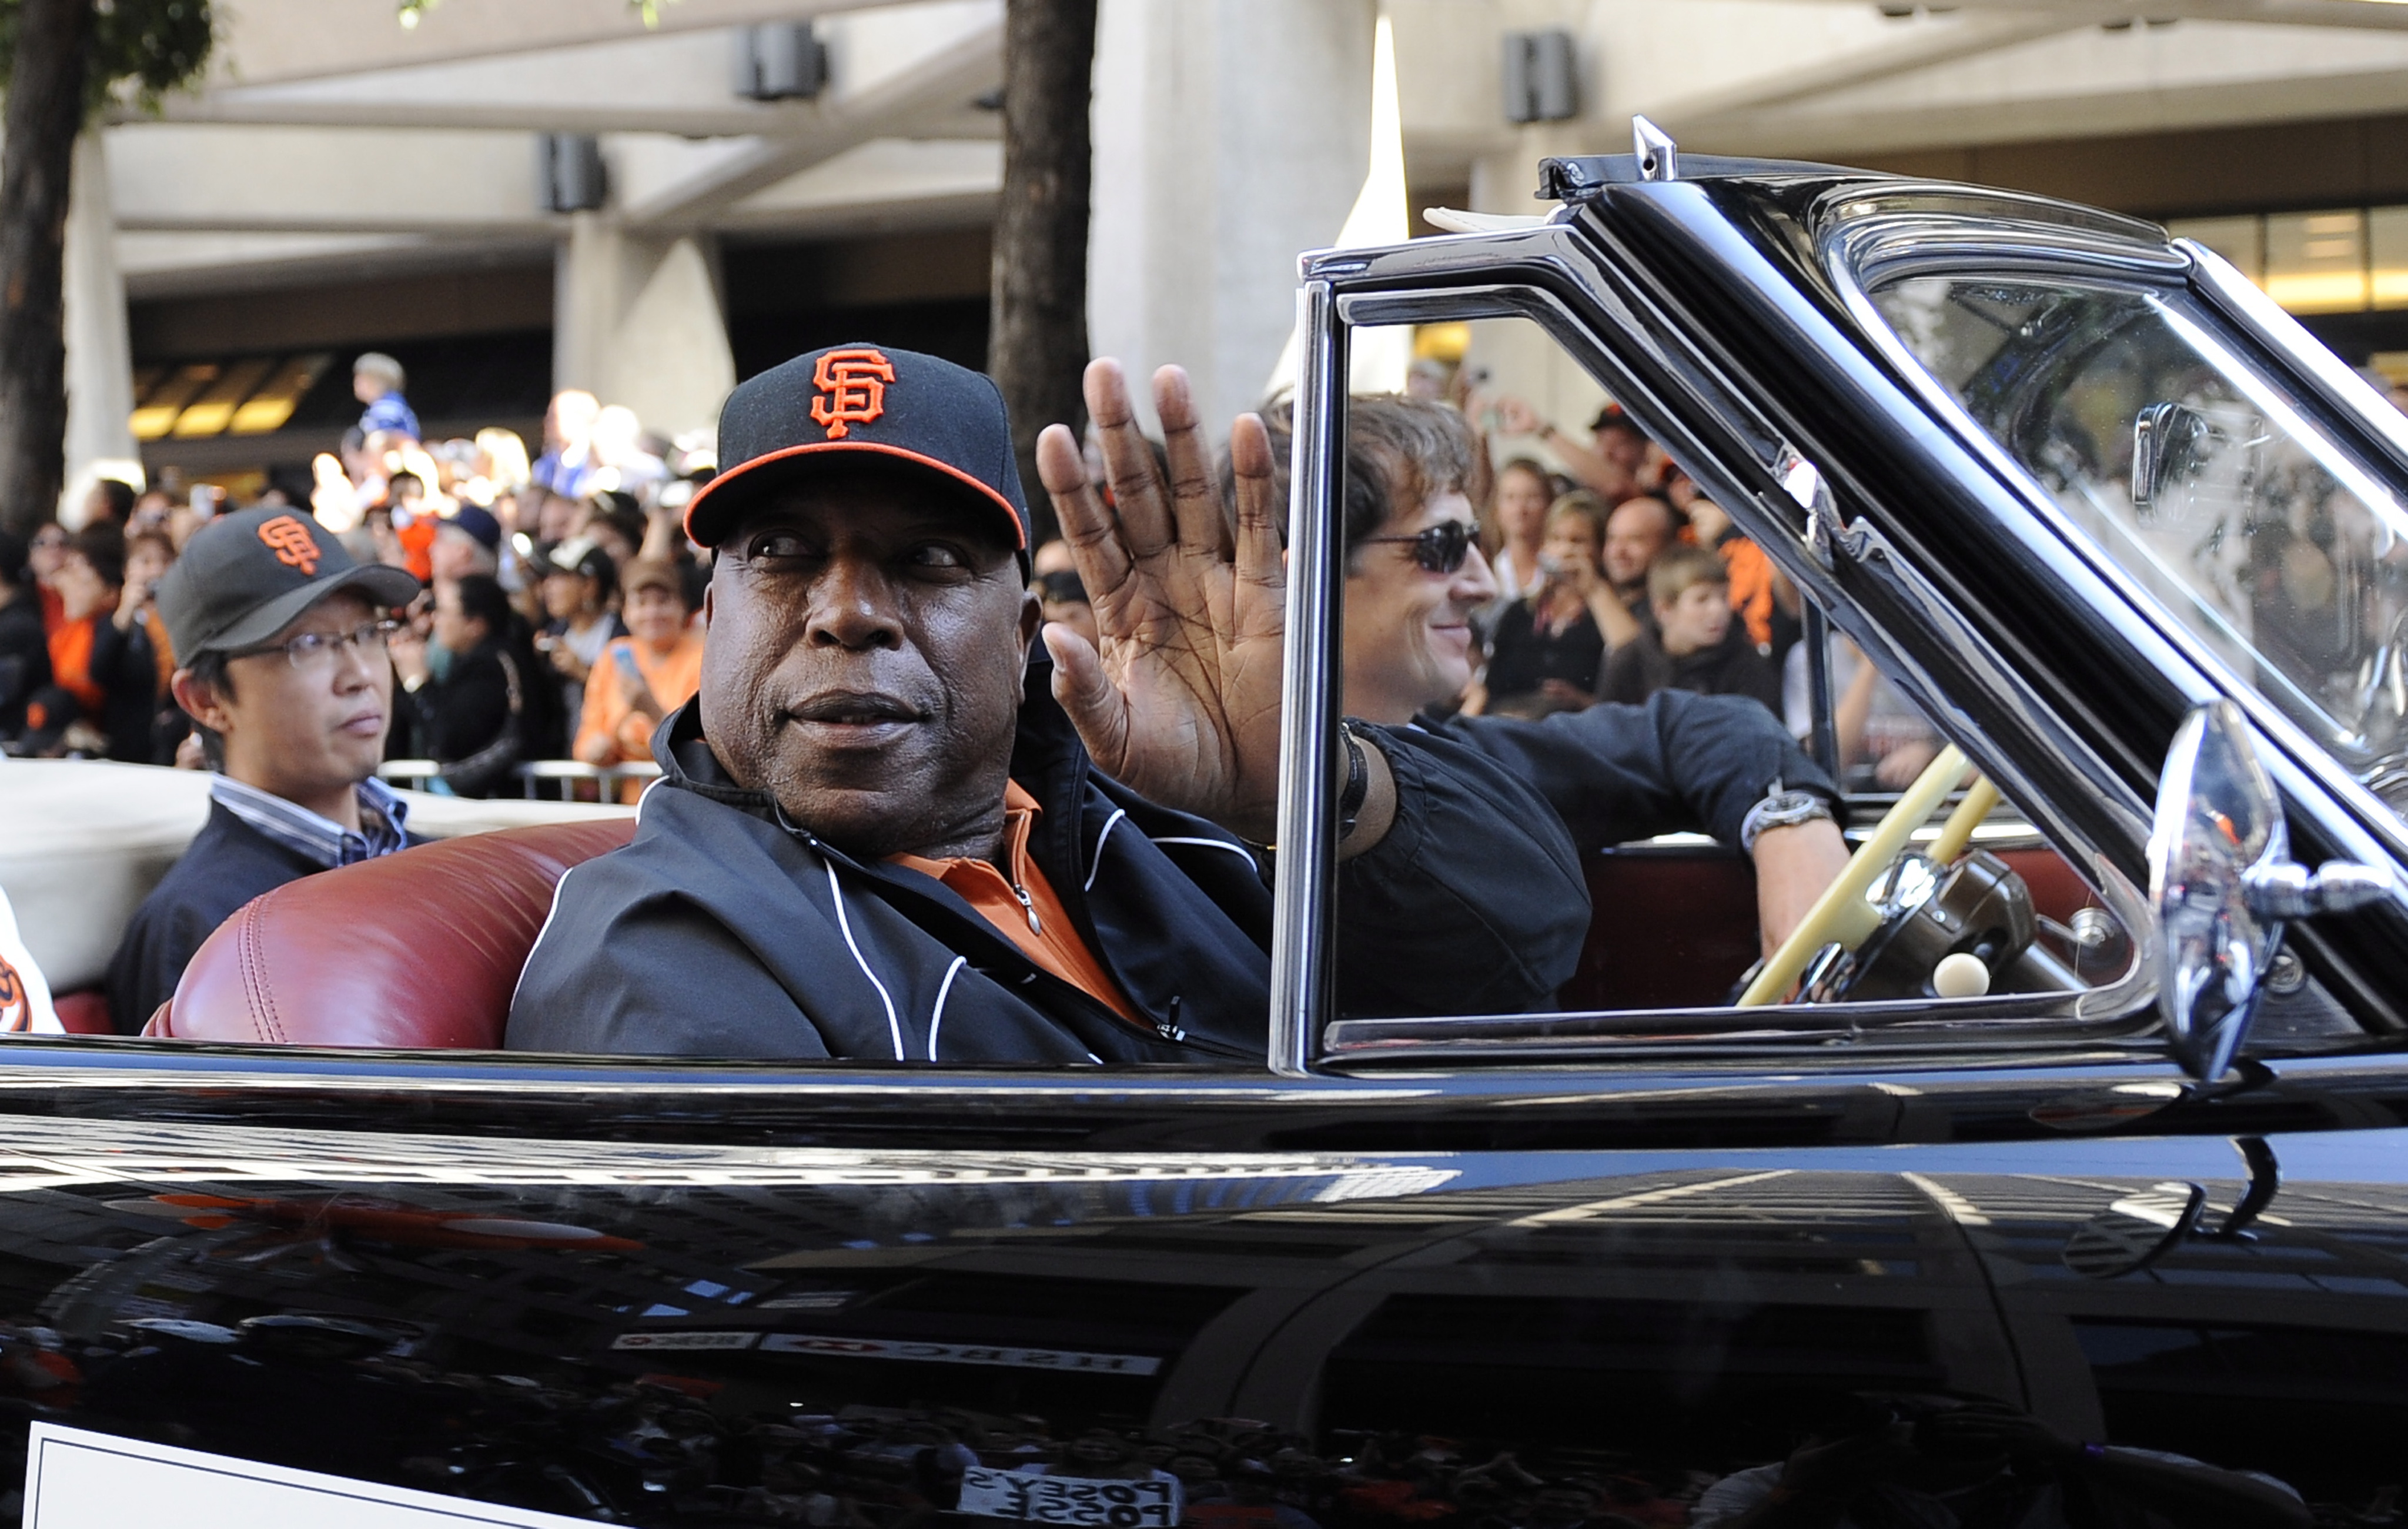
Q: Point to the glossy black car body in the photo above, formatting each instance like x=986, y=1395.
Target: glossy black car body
x=1541, y=1270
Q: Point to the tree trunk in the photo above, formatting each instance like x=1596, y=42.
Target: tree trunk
x=1037, y=343
x=45, y=110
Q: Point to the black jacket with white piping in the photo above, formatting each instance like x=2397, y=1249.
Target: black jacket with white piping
x=727, y=931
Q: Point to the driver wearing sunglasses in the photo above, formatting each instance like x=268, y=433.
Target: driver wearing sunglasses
x=1721, y=765
x=280, y=641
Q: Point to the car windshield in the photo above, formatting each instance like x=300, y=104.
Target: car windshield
x=2281, y=551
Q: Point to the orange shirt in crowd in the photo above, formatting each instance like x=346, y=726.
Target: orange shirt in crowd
x=673, y=677
x=71, y=660
x=55, y=609
x=162, y=651
x=1751, y=586
x=1041, y=926
x=417, y=541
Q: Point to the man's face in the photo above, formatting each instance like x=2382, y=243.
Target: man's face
x=1622, y=445
x=1408, y=629
x=1638, y=530
x=1696, y=618
x=869, y=632
x=300, y=731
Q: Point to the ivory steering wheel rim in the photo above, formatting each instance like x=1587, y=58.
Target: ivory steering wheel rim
x=1842, y=912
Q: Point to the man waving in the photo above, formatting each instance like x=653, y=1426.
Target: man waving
x=884, y=832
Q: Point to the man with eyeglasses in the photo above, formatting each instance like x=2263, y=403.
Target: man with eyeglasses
x=280, y=639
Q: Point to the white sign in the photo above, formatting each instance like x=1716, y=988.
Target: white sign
x=1071, y=1499
x=76, y=1479
x=676, y=1339
x=961, y=1354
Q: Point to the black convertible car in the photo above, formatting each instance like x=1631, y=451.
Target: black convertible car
x=2116, y=1232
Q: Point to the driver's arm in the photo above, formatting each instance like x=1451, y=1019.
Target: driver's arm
x=1676, y=763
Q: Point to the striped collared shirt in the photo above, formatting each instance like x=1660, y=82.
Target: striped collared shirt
x=383, y=818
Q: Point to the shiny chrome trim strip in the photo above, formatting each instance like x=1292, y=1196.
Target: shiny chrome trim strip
x=2238, y=299
x=2313, y=780
x=1302, y=964
x=1655, y=1031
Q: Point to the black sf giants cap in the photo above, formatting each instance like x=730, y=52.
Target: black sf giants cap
x=851, y=401
x=244, y=577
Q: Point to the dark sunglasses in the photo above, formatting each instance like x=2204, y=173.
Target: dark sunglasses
x=1441, y=549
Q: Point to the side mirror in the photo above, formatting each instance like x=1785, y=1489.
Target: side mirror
x=2187, y=459
x=2222, y=883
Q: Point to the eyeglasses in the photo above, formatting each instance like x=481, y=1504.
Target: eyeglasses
x=314, y=651
x=49, y=539
x=1439, y=549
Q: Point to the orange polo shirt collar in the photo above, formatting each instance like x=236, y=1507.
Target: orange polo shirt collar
x=1040, y=926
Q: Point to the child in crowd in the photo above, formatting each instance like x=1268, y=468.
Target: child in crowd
x=1696, y=645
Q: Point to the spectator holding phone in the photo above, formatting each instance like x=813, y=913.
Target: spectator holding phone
x=645, y=675
x=1551, y=644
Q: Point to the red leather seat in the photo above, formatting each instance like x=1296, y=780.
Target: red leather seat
x=417, y=949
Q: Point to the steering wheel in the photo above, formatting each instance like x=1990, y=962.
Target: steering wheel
x=1842, y=913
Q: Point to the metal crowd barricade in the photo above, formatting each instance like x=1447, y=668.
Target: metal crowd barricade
x=538, y=780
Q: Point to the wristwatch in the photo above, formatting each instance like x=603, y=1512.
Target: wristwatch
x=1781, y=808
x=1358, y=780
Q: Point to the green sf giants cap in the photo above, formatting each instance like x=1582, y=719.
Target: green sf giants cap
x=848, y=402
x=247, y=576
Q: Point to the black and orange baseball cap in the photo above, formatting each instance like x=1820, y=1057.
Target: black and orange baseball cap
x=244, y=577
x=849, y=403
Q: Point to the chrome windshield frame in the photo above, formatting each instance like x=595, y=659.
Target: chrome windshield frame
x=2313, y=780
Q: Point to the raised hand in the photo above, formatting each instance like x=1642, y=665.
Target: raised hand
x=1183, y=703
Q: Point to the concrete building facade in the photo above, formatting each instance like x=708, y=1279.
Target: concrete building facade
x=344, y=182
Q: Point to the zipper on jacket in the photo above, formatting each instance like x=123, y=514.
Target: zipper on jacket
x=1025, y=906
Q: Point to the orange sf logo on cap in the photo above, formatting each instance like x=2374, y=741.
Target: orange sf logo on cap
x=291, y=542
x=853, y=389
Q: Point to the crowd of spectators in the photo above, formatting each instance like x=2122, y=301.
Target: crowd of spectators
x=1616, y=578
x=558, y=618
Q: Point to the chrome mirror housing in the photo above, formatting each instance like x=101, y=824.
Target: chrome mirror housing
x=2222, y=884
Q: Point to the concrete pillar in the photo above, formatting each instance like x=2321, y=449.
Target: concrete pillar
x=638, y=321
x=1229, y=134
x=100, y=357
